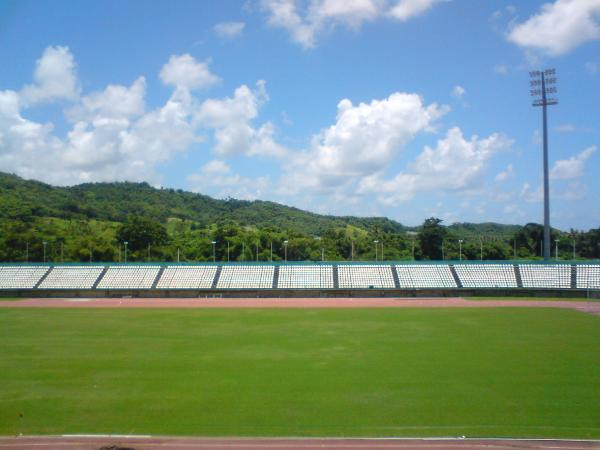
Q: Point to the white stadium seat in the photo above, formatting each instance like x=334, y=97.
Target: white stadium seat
x=71, y=277
x=425, y=276
x=129, y=277
x=588, y=276
x=246, y=277
x=365, y=276
x=486, y=275
x=21, y=277
x=187, y=277
x=546, y=275
x=305, y=277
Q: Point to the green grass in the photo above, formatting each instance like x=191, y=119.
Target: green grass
x=361, y=372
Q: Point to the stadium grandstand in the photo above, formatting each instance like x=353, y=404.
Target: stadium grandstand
x=289, y=279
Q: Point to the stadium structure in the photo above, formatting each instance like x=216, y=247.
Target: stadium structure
x=306, y=279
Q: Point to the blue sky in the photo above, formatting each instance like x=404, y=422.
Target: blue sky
x=402, y=108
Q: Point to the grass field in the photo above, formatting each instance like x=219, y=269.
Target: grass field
x=326, y=372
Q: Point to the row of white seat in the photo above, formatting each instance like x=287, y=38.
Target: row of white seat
x=299, y=276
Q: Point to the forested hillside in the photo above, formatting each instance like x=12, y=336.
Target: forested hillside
x=92, y=222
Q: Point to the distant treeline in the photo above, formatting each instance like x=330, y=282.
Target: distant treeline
x=92, y=222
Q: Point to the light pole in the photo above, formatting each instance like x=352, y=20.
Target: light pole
x=574, y=250
x=352, y=250
x=480, y=248
x=271, y=245
x=413, y=248
x=177, y=254
x=214, y=243
x=227, y=251
x=27, y=251
x=443, y=256
x=460, y=241
x=285, y=244
x=375, y=242
x=556, y=249
x=91, y=254
x=382, y=251
x=243, y=250
x=543, y=83
x=44, y=243
x=125, y=250
x=256, y=251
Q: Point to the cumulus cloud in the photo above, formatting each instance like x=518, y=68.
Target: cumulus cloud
x=231, y=118
x=455, y=164
x=573, y=167
x=505, y=174
x=229, y=30
x=559, y=27
x=364, y=139
x=217, y=176
x=305, y=23
x=407, y=9
x=113, y=135
x=184, y=72
x=55, y=78
x=459, y=91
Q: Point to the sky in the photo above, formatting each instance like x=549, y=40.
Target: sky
x=400, y=108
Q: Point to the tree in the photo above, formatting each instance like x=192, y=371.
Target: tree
x=431, y=237
x=140, y=232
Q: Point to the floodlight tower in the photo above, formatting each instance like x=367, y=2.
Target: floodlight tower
x=543, y=82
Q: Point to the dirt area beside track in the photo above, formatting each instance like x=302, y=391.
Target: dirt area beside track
x=354, y=302
x=152, y=443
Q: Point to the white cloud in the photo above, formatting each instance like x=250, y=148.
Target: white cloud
x=231, y=120
x=217, y=176
x=184, y=72
x=113, y=137
x=364, y=140
x=306, y=22
x=531, y=196
x=559, y=27
x=505, y=174
x=115, y=102
x=458, y=91
x=407, y=9
x=55, y=78
x=229, y=30
x=573, y=167
x=456, y=164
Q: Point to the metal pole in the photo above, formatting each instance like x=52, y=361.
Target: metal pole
x=26, y=251
x=460, y=241
x=574, y=250
x=243, y=250
x=285, y=244
x=125, y=250
x=322, y=254
x=413, y=249
x=62, y=252
x=352, y=251
x=443, y=257
x=256, y=251
x=227, y=251
x=91, y=254
x=480, y=248
x=214, y=251
x=546, y=182
x=44, y=242
x=271, y=257
x=177, y=254
x=556, y=249
x=376, y=242
x=148, y=252
x=382, y=251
